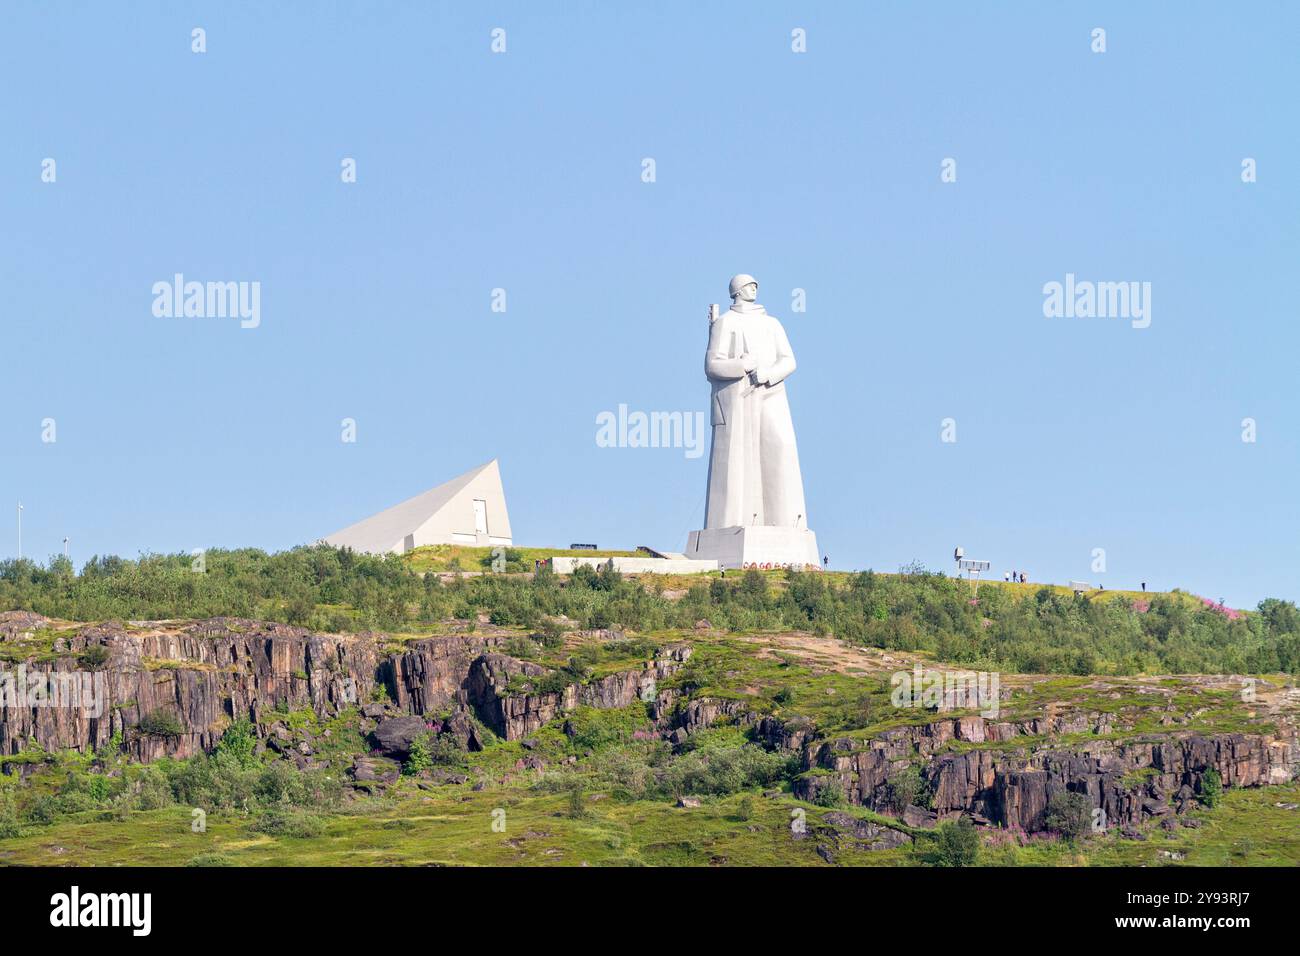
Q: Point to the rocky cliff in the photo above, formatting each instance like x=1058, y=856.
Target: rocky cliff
x=1132, y=781
x=172, y=688
x=516, y=715
x=203, y=675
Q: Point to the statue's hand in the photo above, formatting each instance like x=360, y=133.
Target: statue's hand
x=748, y=363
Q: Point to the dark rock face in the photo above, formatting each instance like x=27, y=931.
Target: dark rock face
x=431, y=674
x=372, y=771
x=842, y=828
x=511, y=716
x=187, y=682
x=915, y=816
x=1012, y=787
x=780, y=734
x=704, y=712
x=394, y=735
x=516, y=715
x=466, y=734
x=203, y=675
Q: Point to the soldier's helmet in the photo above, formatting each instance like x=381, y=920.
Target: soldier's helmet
x=739, y=282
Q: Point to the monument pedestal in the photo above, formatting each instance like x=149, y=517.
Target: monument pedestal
x=755, y=546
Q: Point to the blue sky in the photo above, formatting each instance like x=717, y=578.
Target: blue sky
x=522, y=171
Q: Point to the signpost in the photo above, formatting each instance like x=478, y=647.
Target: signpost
x=971, y=566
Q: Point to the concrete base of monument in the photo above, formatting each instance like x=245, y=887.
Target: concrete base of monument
x=755, y=546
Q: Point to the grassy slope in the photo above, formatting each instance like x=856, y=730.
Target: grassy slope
x=454, y=826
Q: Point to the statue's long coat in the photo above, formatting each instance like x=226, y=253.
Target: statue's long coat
x=754, y=474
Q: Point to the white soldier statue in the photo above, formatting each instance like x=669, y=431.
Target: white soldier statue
x=755, y=514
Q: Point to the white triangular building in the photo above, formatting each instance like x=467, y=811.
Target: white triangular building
x=469, y=510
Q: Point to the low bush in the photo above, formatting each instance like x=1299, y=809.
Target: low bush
x=1211, y=787
x=288, y=822
x=1068, y=814
x=955, y=844
x=161, y=723
x=718, y=772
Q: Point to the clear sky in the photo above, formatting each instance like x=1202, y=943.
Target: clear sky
x=523, y=171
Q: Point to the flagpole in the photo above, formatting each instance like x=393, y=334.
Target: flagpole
x=20, y=531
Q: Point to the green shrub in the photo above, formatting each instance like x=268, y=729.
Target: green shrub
x=44, y=810
x=831, y=795
x=288, y=822
x=1069, y=814
x=98, y=787
x=429, y=750
x=151, y=789
x=553, y=682
x=1211, y=787
x=239, y=742
x=955, y=844
x=745, y=809
x=551, y=634
x=723, y=771
x=161, y=723
x=213, y=781
x=94, y=657
x=907, y=787
x=10, y=822
x=111, y=748
x=280, y=782
x=420, y=757
x=577, y=803
x=445, y=751
x=593, y=729
x=522, y=648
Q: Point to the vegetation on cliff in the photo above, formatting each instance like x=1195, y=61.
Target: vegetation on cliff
x=740, y=719
x=1025, y=630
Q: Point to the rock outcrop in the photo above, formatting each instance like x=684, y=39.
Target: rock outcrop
x=172, y=689
x=1131, y=781
x=394, y=735
x=187, y=684
x=500, y=689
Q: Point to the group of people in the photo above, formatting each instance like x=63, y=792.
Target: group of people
x=1015, y=577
